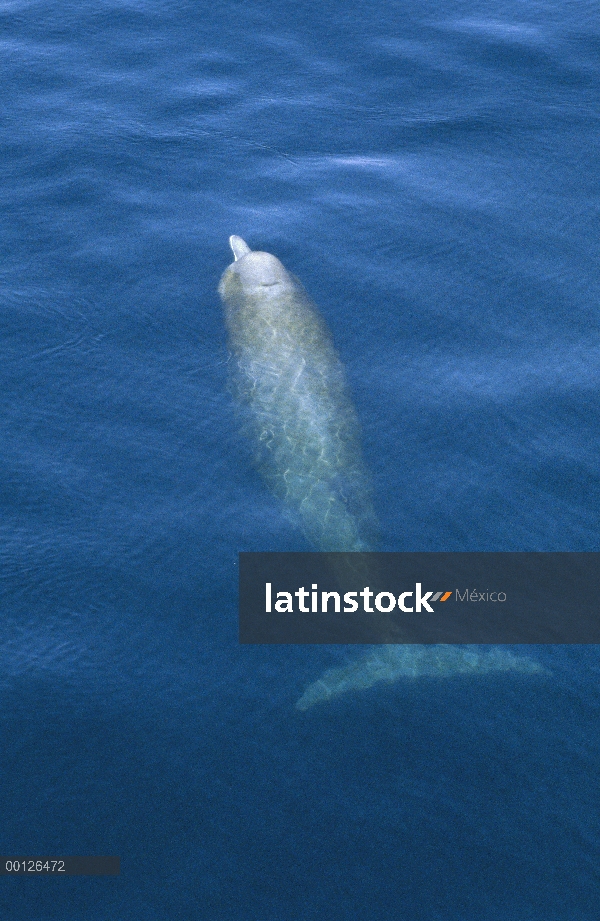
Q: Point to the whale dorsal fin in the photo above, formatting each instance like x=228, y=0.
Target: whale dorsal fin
x=240, y=247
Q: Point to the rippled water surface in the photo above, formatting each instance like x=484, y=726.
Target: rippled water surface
x=430, y=171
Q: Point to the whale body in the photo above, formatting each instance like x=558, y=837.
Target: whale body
x=307, y=446
x=300, y=416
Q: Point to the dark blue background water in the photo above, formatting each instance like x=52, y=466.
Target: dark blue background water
x=431, y=172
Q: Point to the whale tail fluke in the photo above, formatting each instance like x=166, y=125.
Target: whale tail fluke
x=392, y=663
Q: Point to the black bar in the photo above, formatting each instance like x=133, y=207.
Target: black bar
x=60, y=866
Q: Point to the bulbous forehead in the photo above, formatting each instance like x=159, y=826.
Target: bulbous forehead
x=261, y=269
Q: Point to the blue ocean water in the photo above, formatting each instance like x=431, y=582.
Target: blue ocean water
x=430, y=171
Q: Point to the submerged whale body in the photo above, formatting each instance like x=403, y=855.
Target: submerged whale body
x=306, y=437
x=300, y=416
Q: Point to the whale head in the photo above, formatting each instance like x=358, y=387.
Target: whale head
x=259, y=274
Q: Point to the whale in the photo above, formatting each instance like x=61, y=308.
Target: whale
x=299, y=416
x=297, y=409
